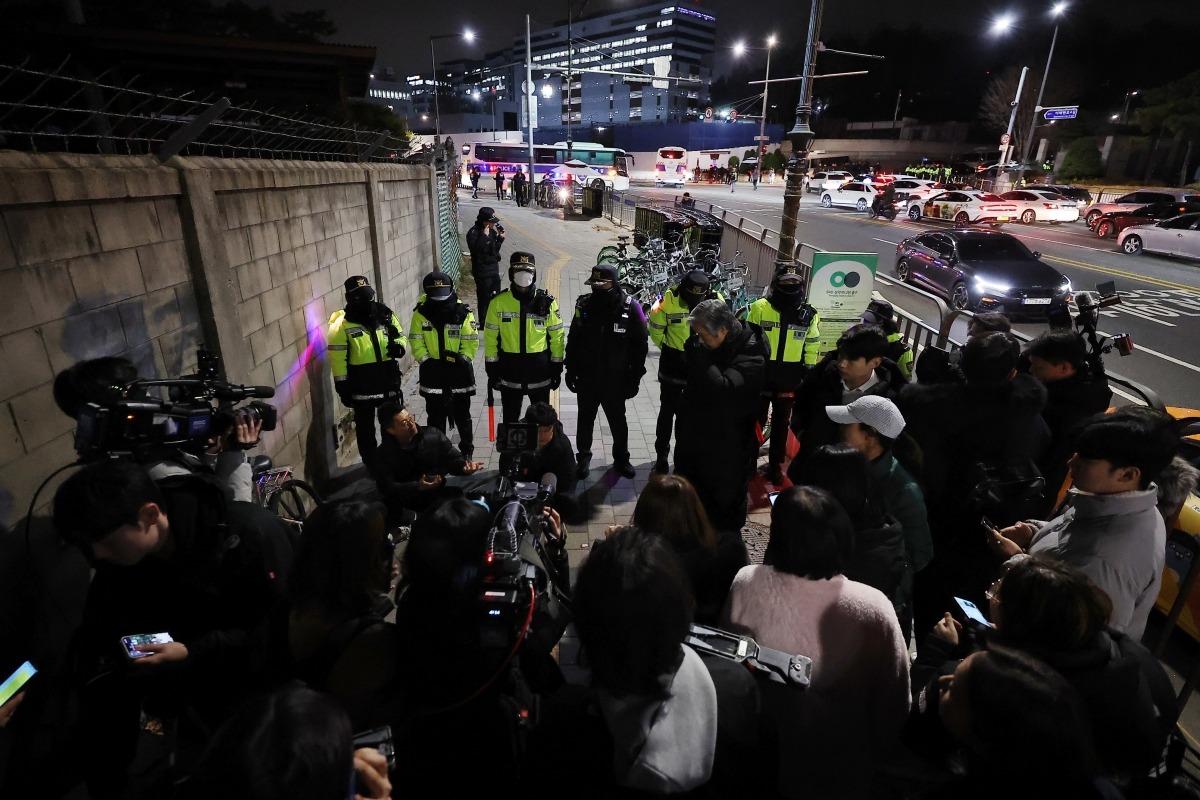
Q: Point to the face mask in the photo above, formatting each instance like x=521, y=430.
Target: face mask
x=523, y=279
x=361, y=296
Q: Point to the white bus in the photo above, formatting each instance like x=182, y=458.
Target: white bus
x=671, y=168
x=608, y=164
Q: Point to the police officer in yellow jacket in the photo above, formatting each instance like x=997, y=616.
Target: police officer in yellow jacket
x=793, y=333
x=668, y=324
x=365, y=343
x=882, y=313
x=444, y=340
x=523, y=339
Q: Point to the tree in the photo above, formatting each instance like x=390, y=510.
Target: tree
x=733, y=162
x=996, y=106
x=1082, y=160
x=1174, y=109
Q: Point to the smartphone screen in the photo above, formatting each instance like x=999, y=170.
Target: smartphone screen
x=771, y=497
x=16, y=681
x=971, y=610
x=130, y=643
x=988, y=524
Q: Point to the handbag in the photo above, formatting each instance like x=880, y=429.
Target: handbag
x=1005, y=485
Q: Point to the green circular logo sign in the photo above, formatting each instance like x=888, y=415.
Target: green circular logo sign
x=848, y=280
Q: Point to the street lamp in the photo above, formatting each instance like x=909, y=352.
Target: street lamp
x=1055, y=12
x=1125, y=113
x=437, y=113
x=739, y=49
x=571, y=70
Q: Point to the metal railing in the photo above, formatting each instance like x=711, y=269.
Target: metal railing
x=59, y=112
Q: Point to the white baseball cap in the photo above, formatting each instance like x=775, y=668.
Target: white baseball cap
x=873, y=410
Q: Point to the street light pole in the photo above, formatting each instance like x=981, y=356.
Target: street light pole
x=437, y=111
x=1125, y=112
x=571, y=70
x=1058, y=9
x=801, y=136
x=762, y=121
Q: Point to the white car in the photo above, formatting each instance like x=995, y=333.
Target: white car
x=1035, y=205
x=964, y=207
x=1178, y=236
x=823, y=181
x=1142, y=197
x=855, y=195
x=914, y=188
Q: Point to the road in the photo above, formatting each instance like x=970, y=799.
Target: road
x=1160, y=305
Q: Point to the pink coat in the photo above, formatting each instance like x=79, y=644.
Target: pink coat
x=850, y=717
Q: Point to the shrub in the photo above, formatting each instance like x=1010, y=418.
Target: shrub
x=1082, y=160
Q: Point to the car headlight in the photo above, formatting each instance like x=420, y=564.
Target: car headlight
x=562, y=194
x=991, y=287
x=1066, y=286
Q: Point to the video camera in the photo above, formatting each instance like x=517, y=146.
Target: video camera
x=521, y=576
x=139, y=425
x=772, y=665
x=1088, y=305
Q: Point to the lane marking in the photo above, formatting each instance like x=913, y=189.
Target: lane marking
x=1140, y=349
x=1118, y=273
x=885, y=241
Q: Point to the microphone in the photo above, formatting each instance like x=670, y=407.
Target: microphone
x=238, y=392
x=546, y=487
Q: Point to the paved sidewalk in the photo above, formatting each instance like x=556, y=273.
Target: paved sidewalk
x=566, y=251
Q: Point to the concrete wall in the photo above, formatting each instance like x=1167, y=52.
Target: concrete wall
x=120, y=256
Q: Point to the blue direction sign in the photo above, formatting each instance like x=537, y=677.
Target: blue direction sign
x=1062, y=112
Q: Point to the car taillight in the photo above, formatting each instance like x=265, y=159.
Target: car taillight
x=1050, y=205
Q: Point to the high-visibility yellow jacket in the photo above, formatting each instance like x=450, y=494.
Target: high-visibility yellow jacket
x=358, y=353
x=901, y=353
x=794, y=342
x=523, y=339
x=444, y=342
x=669, y=329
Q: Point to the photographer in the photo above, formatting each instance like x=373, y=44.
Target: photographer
x=414, y=462
x=484, y=240
x=174, y=558
x=103, y=381
x=552, y=455
x=1074, y=393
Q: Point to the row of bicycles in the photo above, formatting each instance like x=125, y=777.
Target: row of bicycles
x=661, y=263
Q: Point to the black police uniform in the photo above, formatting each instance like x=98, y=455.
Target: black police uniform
x=606, y=359
x=485, y=259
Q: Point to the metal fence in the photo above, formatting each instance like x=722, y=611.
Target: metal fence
x=58, y=112
x=759, y=248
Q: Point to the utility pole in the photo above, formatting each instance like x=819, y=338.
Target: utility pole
x=801, y=136
x=530, y=99
x=1036, y=110
x=762, y=121
x=896, y=113
x=1012, y=118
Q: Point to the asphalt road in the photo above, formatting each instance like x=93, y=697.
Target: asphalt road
x=1160, y=305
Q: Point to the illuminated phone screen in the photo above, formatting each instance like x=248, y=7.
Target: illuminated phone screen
x=16, y=682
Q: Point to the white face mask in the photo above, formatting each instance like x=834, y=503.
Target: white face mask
x=523, y=279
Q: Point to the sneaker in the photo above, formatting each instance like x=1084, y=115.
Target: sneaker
x=583, y=467
x=624, y=469
x=661, y=467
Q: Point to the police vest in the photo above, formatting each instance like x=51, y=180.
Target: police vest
x=526, y=342
x=359, y=355
x=800, y=343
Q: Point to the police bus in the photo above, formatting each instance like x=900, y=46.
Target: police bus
x=607, y=165
x=671, y=167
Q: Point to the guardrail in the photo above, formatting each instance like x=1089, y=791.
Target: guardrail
x=759, y=246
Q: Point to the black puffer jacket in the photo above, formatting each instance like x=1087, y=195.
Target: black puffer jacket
x=879, y=560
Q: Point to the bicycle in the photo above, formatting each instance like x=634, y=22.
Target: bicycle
x=291, y=499
x=611, y=253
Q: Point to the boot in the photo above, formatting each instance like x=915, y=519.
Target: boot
x=623, y=468
x=583, y=466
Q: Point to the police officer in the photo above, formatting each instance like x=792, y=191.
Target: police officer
x=606, y=359
x=793, y=334
x=484, y=240
x=669, y=330
x=881, y=313
x=523, y=339
x=444, y=340
x=365, y=343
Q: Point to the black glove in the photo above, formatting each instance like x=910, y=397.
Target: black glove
x=343, y=393
x=555, y=380
x=395, y=350
x=573, y=382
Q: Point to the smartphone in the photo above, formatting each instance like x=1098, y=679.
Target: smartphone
x=972, y=611
x=130, y=643
x=16, y=682
x=771, y=497
x=988, y=524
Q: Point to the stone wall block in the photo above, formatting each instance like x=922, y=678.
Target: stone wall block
x=168, y=219
x=11, y=447
x=26, y=363
x=237, y=247
x=106, y=278
x=71, y=185
x=264, y=240
x=265, y=343
x=178, y=349
x=160, y=182
x=126, y=223
x=275, y=304
x=50, y=233
x=283, y=268
x=47, y=290
x=38, y=418
x=163, y=264
x=253, y=279
x=250, y=315
x=25, y=187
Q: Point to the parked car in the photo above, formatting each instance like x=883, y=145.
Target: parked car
x=982, y=270
x=1178, y=236
x=913, y=188
x=964, y=207
x=1040, y=206
x=855, y=195
x=1138, y=199
x=828, y=180
x=1111, y=223
x=1081, y=196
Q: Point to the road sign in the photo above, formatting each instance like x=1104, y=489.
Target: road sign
x=1061, y=112
x=762, y=138
x=1005, y=138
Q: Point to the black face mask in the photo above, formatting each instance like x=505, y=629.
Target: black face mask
x=360, y=297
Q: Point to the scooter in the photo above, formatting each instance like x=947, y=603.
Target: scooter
x=885, y=210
